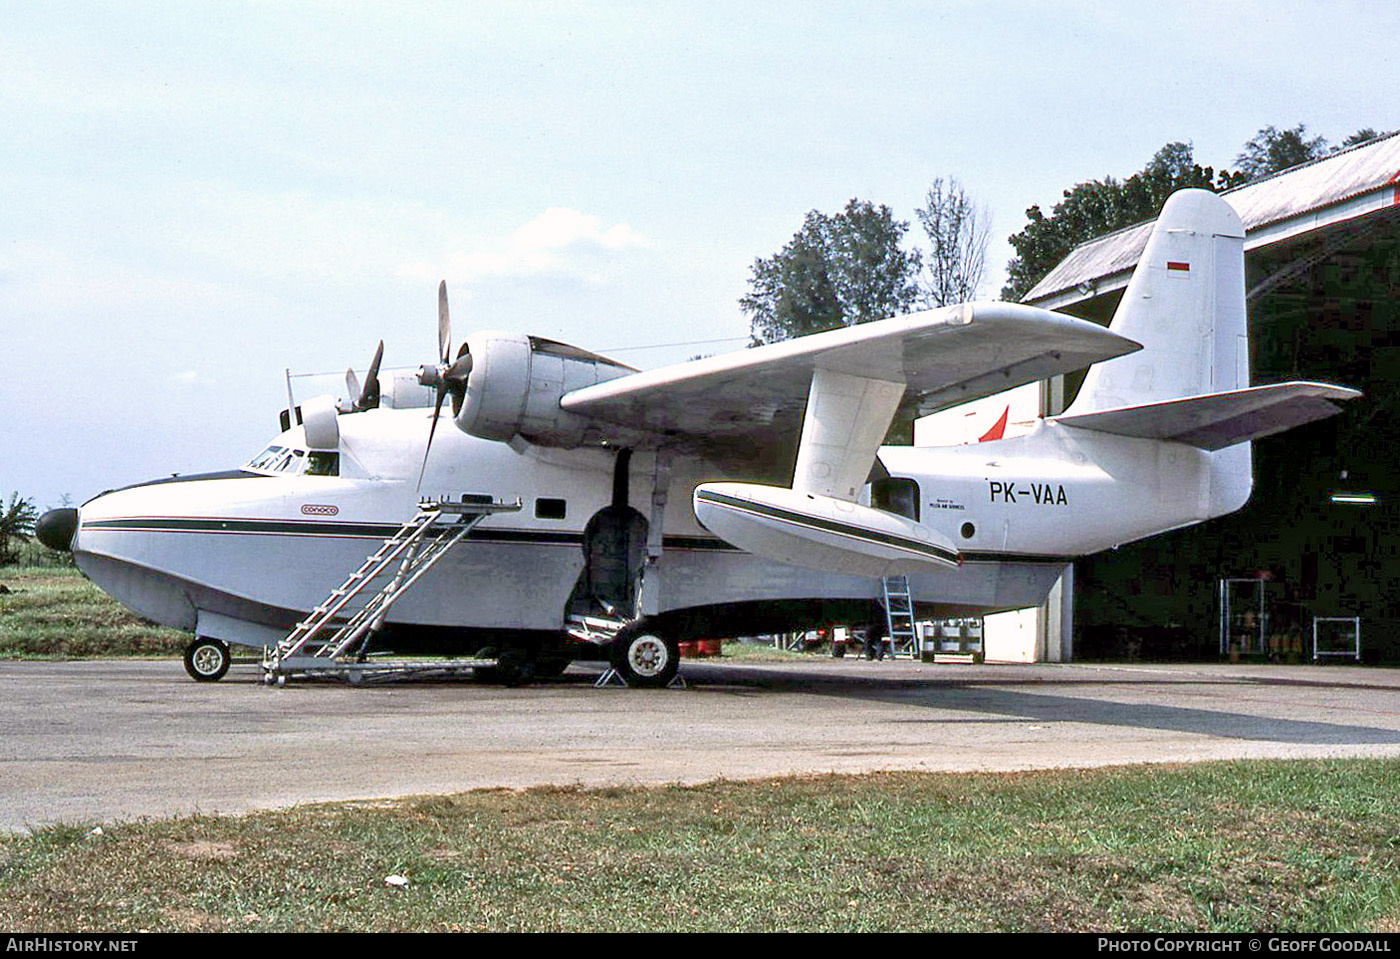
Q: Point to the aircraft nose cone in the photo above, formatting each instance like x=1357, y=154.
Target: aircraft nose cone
x=55, y=528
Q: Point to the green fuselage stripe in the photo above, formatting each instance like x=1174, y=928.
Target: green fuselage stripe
x=269, y=527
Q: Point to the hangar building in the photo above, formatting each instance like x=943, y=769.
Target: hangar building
x=1319, y=536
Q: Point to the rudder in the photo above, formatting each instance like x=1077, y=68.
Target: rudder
x=1185, y=304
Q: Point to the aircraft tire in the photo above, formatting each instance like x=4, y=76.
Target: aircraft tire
x=513, y=668
x=645, y=658
x=207, y=659
x=549, y=667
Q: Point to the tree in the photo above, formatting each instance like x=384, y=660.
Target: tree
x=1097, y=207
x=16, y=522
x=1364, y=135
x=957, y=231
x=1273, y=150
x=1091, y=209
x=836, y=271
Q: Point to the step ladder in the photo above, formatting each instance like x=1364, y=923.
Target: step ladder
x=330, y=638
x=899, y=617
x=598, y=630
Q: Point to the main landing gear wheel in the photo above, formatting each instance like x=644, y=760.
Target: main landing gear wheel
x=645, y=658
x=513, y=668
x=548, y=667
x=207, y=659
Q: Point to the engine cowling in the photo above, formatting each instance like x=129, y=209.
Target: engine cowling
x=320, y=418
x=516, y=383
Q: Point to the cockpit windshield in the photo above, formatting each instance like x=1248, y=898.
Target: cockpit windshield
x=289, y=461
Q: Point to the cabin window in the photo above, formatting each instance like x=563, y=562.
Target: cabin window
x=550, y=508
x=896, y=494
x=323, y=463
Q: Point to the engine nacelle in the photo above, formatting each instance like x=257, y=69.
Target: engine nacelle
x=515, y=385
x=400, y=390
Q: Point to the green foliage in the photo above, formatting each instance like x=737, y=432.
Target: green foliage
x=1364, y=135
x=1097, y=207
x=1273, y=150
x=836, y=271
x=16, y=522
x=59, y=614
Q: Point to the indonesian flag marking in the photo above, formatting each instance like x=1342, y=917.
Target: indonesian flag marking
x=1179, y=265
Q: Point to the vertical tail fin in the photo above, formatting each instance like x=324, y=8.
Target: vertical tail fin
x=1185, y=304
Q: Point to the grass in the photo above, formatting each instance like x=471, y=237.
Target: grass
x=54, y=612
x=1281, y=846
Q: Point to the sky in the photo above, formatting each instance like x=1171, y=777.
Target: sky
x=198, y=197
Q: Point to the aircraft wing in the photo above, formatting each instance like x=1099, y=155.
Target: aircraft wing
x=746, y=407
x=1218, y=420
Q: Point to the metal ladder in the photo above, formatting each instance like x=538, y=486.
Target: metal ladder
x=349, y=619
x=899, y=617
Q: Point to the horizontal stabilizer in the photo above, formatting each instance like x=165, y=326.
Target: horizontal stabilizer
x=1217, y=420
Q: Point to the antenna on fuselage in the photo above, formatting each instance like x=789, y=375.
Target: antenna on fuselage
x=291, y=401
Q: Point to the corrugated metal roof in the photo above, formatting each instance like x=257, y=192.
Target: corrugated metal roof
x=1369, y=173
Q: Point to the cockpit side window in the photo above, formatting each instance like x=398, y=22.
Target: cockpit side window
x=288, y=461
x=264, y=460
x=323, y=463
x=896, y=494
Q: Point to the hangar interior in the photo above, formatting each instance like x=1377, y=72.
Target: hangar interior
x=1318, y=537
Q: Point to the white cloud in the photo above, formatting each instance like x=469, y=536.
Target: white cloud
x=559, y=243
x=558, y=228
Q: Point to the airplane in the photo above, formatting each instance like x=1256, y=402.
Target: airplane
x=739, y=494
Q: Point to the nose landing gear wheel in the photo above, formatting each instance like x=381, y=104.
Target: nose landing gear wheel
x=645, y=659
x=206, y=659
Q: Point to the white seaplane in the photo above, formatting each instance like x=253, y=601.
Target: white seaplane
x=733, y=495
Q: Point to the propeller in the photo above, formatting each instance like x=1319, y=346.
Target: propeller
x=445, y=378
x=367, y=398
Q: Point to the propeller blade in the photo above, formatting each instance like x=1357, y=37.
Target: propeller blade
x=352, y=388
x=437, y=409
x=458, y=371
x=369, y=398
x=455, y=380
x=444, y=324
x=443, y=378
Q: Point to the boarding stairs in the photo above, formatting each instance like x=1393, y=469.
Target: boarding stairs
x=332, y=639
x=899, y=617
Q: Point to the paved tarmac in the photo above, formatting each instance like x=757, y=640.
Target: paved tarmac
x=104, y=741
